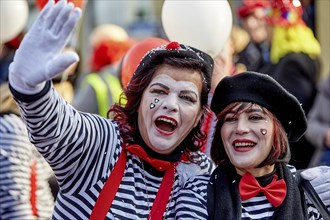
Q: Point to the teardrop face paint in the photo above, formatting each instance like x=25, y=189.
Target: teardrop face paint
x=263, y=131
x=153, y=105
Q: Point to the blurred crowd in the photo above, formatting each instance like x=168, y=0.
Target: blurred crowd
x=277, y=39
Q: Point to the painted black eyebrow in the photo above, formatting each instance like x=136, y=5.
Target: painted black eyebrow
x=160, y=84
x=167, y=88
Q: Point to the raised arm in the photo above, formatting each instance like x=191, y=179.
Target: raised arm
x=70, y=141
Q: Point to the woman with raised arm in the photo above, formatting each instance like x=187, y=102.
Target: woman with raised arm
x=131, y=167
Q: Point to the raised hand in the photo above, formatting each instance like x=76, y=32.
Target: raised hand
x=39, y=57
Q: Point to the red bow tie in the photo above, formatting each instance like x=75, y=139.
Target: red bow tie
x=275, y=192
x=160, y=165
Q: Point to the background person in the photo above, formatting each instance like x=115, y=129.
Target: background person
x=25, y=192
x=318, y=131
x=294, y=55
x=96, y=91
x=251, y=15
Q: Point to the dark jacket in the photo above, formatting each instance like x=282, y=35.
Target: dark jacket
x=299, y=74
x=254, y=56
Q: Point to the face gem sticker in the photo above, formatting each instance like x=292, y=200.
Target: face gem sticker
x=263, y=131
x=156, y=100
x=152, y=105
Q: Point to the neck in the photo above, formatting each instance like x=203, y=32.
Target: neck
x=172, y=157
x=256, y=172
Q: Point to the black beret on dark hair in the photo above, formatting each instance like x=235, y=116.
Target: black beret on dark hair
x=174, y=49
x=265, y=91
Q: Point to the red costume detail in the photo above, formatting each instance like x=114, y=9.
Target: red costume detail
x=275, y=192
x=173, y=46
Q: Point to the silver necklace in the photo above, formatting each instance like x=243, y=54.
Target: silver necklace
x=146, y=187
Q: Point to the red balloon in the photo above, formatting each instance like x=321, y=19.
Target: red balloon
x=134, y=55
x=77, y=3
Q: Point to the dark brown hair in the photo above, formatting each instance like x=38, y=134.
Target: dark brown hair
x=280, y=151
x=127, y=116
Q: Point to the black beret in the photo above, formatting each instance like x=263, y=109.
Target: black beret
x=174, y=49
x=263, y=90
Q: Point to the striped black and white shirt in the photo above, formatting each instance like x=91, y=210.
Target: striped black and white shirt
x=83, y=148
x=258, y=207
x=16, y=155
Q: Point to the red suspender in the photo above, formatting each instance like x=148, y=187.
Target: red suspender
x=33, y=186
x=109, y=190
x=107, y=194
x=165, y=189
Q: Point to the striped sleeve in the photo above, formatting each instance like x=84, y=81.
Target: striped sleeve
x=76, y=145
x=191, y=201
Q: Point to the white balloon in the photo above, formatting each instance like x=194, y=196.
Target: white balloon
x=13, y=18
x=205, y=25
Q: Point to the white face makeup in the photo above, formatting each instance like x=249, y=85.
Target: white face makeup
x=248, y=139
x=170, y=108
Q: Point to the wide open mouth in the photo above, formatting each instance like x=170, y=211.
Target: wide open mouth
x=166, y=124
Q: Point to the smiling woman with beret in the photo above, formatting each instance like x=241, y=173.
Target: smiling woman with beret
x=257, y=118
